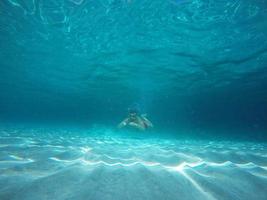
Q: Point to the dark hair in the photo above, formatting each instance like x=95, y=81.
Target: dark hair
x=134, y=108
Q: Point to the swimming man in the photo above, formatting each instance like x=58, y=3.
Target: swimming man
x=139, y=122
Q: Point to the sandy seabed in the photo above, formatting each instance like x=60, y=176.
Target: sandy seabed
x=56, y=165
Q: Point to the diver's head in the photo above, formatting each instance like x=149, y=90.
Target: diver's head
x=132, y=113
x=134, y=108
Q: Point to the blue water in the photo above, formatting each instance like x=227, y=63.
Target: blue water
x=70, y=69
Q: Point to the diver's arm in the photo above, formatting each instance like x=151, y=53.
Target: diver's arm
x=123, y=123
x=135, y=125
x=148, y=122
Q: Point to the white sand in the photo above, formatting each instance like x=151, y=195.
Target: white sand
x=58, y=166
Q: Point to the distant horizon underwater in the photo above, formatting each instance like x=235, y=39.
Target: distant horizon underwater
x=81, y=80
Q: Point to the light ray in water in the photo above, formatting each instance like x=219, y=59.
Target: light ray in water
x=207, y=195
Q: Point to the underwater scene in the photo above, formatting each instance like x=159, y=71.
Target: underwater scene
x=133, y=99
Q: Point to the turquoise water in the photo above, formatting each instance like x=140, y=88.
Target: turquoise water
x=70, y=69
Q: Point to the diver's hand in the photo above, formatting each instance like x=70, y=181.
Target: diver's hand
x=144, y=115
x=135, y=125
x=122, y=124
x=132, y=124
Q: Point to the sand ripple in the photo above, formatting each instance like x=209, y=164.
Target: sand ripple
x=82, y=167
